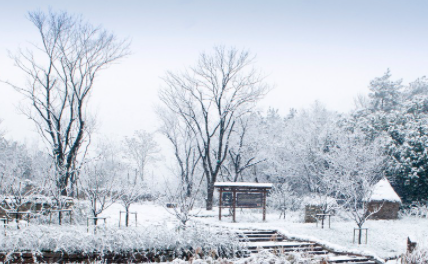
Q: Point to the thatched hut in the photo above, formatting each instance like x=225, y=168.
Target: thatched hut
x=385, y=198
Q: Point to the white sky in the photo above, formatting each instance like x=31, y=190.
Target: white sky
x=311, y=50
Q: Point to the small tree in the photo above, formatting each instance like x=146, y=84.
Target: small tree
x=360, y=165
x=284, y=198
x=100, y=180
x=357, y=192
x=132, y=190
x=181, y=203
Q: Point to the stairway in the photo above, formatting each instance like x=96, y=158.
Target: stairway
x=273, y=241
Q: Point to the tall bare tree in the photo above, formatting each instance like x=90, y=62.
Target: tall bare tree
x=209, y=97
x=61, y=72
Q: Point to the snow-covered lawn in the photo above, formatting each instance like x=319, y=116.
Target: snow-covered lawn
x=147, y=214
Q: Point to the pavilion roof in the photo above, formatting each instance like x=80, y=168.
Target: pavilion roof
x=252, y=185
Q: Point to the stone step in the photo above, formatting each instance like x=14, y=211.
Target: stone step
x=364, y=262
x=314, y=252
x=261, y=232
x=266, y=236
x=356, y=262
x=291, y=247
x=261, y=239
x=257, y=234
x=349, y=259
x=283, y=244
x=272, y=241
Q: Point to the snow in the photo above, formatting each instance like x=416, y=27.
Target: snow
x=386, y=238
x=156, y=229
x=383, y=191
x=148, y=214
x=319, y=200
x=263, y=257
x=243, y=184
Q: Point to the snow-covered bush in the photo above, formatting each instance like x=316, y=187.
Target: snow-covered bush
x=418, y=255
x=262, y=257
x=153, y=238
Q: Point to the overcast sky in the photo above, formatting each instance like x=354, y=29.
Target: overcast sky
x=311, y=50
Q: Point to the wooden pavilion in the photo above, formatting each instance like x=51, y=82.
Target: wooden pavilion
x=242, y=195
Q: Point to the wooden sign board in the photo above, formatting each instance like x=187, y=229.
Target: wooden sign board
x=249, y=200
x=243, y=200
x=227, y=199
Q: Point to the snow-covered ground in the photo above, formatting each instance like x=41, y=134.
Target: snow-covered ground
x=147, y=214
x=385, y=238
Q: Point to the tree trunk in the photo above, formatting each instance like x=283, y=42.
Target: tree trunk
x=189, y=190
x=360, y=234
x=210, y=196
x=63, y=186
x=95, y=210
x=127, y=216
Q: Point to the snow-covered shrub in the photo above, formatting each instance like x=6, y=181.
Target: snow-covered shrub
x=419, y=255
x=418, y=209
x=263, y=257
x=153, y=238
x=279, y=257
x=417, y=252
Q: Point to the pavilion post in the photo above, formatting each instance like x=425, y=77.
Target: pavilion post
x=264, y=205
x=234, y=205
x=219, y=205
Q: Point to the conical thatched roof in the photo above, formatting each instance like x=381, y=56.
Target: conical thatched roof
x=383, y=191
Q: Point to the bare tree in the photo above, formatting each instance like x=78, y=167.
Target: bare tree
x=100, y=179
x=284, y=198
x=141, y=149
x=208, y=98
x=357, y=165
x=131, y=191
x=61, y=73
x=186, y=152
x=181, y=203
